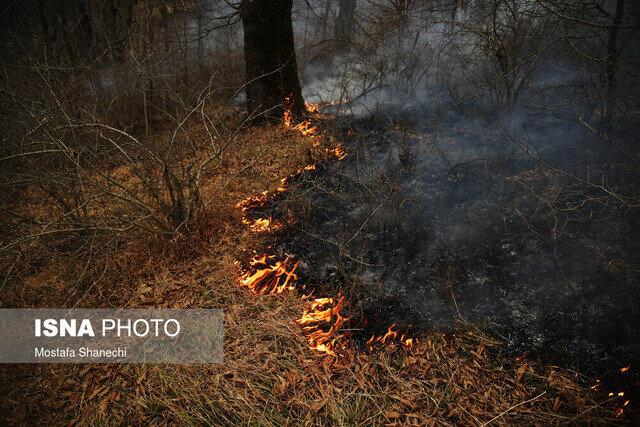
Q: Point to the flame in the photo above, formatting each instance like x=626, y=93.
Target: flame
x=312, y=108
x=625, y=369
x=262, y=225
x=339, y=152
x=264, y=279
x=321, y=313
x=306, y=127
x=321, y=322
x=390, y=336
x=254, y=202
x=315, y=108
x=261, y=201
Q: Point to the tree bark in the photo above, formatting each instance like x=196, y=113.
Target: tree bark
x=344, y=23
x=270, y=59
x=612, y=58
x=325, y=23
x=612, y=50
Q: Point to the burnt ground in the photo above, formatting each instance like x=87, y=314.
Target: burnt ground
x=455, y=226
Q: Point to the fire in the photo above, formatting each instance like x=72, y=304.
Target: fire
x=263, y=200
x=392, y=335
x=323, y=313
x=254, y=202
x=312, y=108
x=625, y=369
x=315, y=108
x=264, y=279
x=306, y=127
x=261, y=225
x=339, y=152
x=322, y=322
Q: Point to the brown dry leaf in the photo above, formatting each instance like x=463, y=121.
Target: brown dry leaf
x=319, y=404
x=391, y=415
x=406, y=402
x=104, y=405
x=97, y=391
x=521, y=370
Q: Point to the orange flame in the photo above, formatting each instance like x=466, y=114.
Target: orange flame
x=392, y=335
x=322, y=321
x=306, y=127
x=263, y=279
x=315, y=108
x=262, y=225
x=264, y=199
x=312, y=108
x=339, y=152
x=254, y=202
x=321, y=313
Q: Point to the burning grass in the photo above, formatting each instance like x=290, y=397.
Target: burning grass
x=264, y=278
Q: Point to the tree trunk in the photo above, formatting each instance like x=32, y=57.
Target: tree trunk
x=612, y=58
x=325, y=23
x=270, y=59
x=344, y=24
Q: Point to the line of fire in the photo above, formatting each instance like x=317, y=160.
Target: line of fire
x=402, y=212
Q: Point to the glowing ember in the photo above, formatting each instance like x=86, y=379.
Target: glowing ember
x=625, y=369
x=262, y=278
x=321, y=323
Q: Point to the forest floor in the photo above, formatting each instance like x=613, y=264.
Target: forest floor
x=269, y=375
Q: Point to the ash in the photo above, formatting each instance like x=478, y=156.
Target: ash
x=452, y=219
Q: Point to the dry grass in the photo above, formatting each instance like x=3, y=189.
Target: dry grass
x=269, y=376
